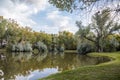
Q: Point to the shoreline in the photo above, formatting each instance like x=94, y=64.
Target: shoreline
x=103, y=71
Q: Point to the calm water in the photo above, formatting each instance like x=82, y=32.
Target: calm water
x=27, y=66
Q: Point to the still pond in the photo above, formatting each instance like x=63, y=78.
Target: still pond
x=29, y=66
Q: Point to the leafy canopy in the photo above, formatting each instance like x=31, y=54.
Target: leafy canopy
x=98, y=31
x=73, y=5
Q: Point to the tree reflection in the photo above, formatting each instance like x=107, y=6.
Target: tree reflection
x=25, y=63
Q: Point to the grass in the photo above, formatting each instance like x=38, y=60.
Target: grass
x=70, y=51
x=104, y=71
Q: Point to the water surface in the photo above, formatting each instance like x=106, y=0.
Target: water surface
x=28, y=66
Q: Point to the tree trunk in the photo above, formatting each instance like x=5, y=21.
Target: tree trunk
x=97, y=43
x=98, y=47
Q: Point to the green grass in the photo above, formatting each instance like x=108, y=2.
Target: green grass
x=70, y=51
x=104, y=71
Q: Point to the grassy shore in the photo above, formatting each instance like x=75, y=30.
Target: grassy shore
x=104, y=71
x=70, y=51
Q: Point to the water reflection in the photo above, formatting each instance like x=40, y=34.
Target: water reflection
x=28, y=66
x=36, y=74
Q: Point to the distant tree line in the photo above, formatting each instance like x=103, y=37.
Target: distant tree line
x=101, y=35
x=19, y=38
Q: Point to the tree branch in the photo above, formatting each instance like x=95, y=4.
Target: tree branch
x=89, y=39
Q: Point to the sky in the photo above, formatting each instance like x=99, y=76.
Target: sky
x=41, y=16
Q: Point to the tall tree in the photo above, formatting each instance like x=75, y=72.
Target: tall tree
x=101, y=27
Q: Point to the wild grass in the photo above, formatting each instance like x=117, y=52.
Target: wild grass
x=104, y=71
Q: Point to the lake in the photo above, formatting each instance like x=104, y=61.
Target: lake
x=29, y=66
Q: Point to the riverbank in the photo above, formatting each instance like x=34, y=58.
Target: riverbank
x=104, y=71
x=70, y=51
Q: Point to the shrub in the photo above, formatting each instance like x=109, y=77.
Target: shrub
x=27, y=47
x=111, y=45
x=40, y=46
x=84, y=48
x=56, y=48
x=13, y=47
x=19, y=47
x=43, y=48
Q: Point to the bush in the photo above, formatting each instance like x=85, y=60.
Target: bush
x=84, y=48
x=10, y=47
x=27, y=47
x=56, y=48
x=13, y=47
x=40, y=46
x=110, y=45
x=19, y=47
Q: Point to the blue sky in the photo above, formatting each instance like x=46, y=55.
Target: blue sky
x=41, y=16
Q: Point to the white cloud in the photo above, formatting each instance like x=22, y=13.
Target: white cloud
x=38, y=4
x=62, y=22
x=22, y=11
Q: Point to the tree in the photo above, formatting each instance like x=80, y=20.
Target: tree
x=117, y=37
x=78, y=5
x=11, y=31
x=67, y=39
x=3, y=23
x=101, y=27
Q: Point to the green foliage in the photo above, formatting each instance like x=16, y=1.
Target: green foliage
x=40, y=46
x=63, y=5
x=13, y=32
x=2, y=27
x=3, y=23
x=84, y=48
x=13, y=47
x=110, y=45
x=68, y=39
x=27, y=47
x=98, y=31
x=117, y=37
x=78, y=5
x=19, y=47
